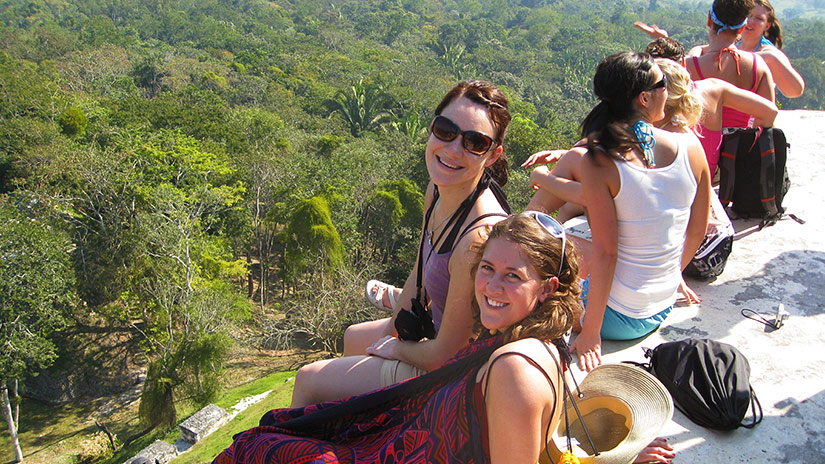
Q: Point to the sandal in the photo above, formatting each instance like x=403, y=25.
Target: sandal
x=374, y=292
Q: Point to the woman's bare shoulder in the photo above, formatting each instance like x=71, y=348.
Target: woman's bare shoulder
x=543, y=353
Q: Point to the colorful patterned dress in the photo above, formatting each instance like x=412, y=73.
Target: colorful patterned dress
x=434, y=418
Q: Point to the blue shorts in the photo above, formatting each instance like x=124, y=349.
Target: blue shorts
x=617, y=326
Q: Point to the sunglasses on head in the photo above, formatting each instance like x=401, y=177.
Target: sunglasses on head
x=658, y=85
x=552, y=227
x=477, y=143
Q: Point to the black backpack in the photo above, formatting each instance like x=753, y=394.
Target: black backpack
x=708, y=380
x=753, y=174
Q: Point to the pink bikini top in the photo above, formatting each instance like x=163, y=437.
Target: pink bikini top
x=730, y=116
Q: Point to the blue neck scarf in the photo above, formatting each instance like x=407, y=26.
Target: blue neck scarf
x=644, y=134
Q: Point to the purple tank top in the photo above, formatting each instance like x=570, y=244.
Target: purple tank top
x=436, y=279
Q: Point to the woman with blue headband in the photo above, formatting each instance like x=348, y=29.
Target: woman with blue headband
x=722, y=60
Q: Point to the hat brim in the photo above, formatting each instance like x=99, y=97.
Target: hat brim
x=624, y=408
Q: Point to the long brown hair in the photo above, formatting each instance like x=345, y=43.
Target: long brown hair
x=487, y=95
x=554, y=317
x=774, y=33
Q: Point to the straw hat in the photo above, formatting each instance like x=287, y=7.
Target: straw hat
x=624, y=408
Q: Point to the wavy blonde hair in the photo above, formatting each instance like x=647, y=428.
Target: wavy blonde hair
x=684, y=105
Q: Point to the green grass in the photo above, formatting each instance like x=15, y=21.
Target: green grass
x=205, y=450
x=48, y=433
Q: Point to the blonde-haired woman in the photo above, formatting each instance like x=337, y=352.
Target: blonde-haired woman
x=696, y=106
x=710, y=96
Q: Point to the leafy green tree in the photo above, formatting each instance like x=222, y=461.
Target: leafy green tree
x=391, y=220
x=149, y=76
x=364, y=107
x=184, y=278
x=310, y=233
x=36, y=294
x=73, y=121
x=190, y=341
x=412, y=125
x=451, y=57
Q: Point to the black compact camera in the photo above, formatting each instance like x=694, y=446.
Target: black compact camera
x=415, y=324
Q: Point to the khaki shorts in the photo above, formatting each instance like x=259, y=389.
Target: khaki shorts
x=394, y=371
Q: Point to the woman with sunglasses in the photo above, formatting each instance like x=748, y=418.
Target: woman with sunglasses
x=467, y=166
x=647, y=192
x=496, y=401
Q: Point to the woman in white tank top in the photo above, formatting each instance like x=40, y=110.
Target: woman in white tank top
x=647, y=193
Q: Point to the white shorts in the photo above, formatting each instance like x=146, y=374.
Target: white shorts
x=394, y=371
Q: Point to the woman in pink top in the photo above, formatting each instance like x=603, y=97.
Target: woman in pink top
x=722, y=60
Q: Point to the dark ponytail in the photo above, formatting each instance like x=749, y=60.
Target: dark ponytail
x=731, y=12
x=618, y=80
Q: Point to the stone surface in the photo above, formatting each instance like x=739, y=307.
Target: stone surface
x=784, y=263
x=159, y=450
x=202, y=423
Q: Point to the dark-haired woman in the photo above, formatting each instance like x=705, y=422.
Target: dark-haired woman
x=763, y=35
x=647, y=193
x=467, y=166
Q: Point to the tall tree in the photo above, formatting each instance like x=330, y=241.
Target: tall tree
x=36, y=292
x=311, y=234
x=182, y=279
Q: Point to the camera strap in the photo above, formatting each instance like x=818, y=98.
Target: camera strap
x=458, y=217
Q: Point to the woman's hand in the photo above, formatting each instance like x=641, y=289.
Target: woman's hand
x=538, y=176
x=544, y=156
x=659, y=450
x=651, y=29
x=589, y=348
x=384, y=348
x=690, y=295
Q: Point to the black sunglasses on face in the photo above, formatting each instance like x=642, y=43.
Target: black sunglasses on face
x=658, y=85
x=446, y=130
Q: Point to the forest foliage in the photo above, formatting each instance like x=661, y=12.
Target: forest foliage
x=199, y=165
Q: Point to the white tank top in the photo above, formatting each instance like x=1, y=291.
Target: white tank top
x=652, y=209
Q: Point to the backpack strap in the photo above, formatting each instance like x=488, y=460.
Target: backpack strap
x=754, y=404
x=727, y=163
x=767, y=177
